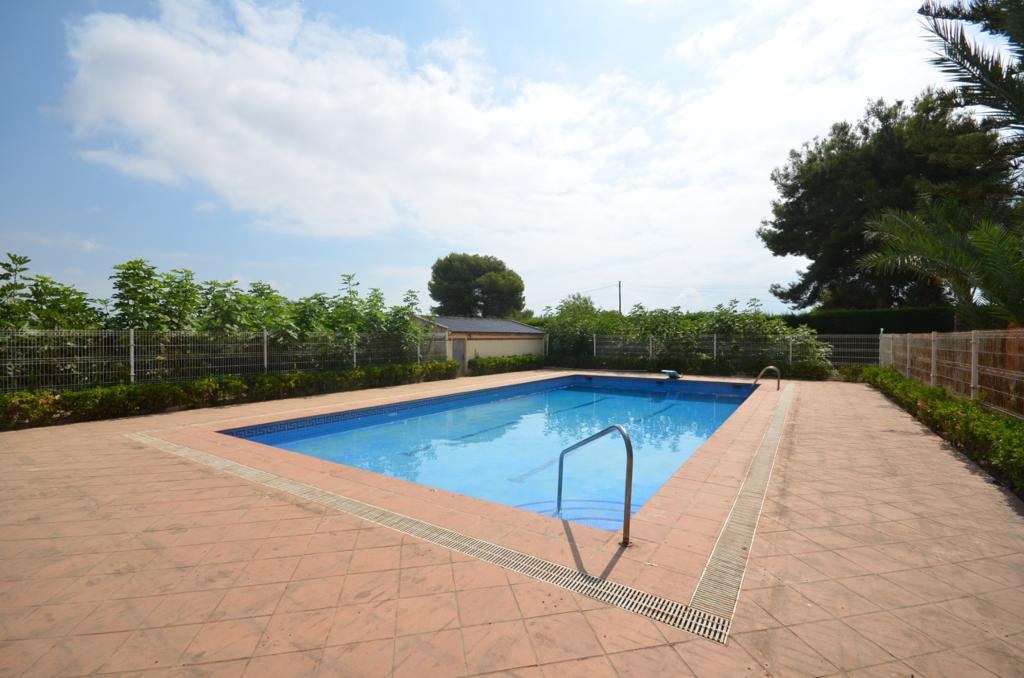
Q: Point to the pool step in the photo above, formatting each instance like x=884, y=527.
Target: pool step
x=602, y=514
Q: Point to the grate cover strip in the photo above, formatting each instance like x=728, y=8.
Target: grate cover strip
x=670, y=612
x=719, y=585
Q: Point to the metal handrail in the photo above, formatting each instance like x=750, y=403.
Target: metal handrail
x=778, y=376
x=629, y=474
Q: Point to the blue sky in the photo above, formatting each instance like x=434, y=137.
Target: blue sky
x=581, y=142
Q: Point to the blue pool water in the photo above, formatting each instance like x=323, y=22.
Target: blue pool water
x=503, y=444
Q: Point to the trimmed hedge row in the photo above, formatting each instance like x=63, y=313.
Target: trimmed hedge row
x=512, y=363
x=994, y=441
x=25, y=409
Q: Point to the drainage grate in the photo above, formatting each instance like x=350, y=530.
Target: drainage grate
x=678, y=615
x=719, y=586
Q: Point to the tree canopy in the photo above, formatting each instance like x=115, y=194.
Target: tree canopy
x=475, y=285
x=146, y=298
x=831, y=189
x=980, y=262
x=979, y=259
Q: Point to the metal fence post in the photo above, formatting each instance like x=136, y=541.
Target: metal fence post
x=354, y=359
x=650, y=347
x=935, y=358
x=595, y=345
x=908, y=355
x=131, y=355
x=791, y=350
x=419, y=353
x=266, y=353
x=974, y=364
x=714, y=347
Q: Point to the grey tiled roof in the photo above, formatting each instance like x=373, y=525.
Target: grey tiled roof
x=455, y=324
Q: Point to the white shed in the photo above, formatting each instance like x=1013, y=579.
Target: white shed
x=469, y=338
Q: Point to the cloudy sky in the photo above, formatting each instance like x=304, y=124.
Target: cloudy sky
x=582, y=142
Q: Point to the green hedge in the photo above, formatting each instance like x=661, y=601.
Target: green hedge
x=872, y=321
x=25, y=409
x=994, y=441
x=511, y=363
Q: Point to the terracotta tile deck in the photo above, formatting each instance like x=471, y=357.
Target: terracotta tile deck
x=879, y=552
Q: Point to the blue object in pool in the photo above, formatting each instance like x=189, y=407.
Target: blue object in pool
x=502, y=444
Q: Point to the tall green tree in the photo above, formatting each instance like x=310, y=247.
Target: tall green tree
x=14, y=306
x=138, y=296
x=56, y=306
x=180, y=299
x=833, y=187
x=475, y=285
x=985, y=75
x=223, y=308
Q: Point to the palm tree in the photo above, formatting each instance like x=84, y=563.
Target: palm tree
x=986, y=76
x=980, y=263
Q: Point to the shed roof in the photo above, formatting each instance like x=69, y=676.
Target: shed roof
x=479, y=325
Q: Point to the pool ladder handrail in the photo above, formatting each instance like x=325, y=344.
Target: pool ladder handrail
x=778, y=376
x=629, y=473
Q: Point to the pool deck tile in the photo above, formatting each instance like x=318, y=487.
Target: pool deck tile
x=880, y=551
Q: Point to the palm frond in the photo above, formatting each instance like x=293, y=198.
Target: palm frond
x=984, y=77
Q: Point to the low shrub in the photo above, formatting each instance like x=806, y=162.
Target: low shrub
x=25, y=409
x=511, y=363
x=994, y=441
x=854, y=373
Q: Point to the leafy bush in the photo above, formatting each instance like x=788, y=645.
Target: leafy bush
x=728, y=340
x=512, y=363
x=873, y=321
x=25, y=409
x=994, y=441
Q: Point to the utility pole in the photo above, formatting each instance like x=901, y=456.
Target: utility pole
x=620, y=297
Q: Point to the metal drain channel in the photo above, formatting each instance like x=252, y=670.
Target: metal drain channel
x=710, y=611
x=719, y=585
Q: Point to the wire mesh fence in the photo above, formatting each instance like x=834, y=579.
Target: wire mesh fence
x=74, y=359
x=986, y=365
x=838, y=350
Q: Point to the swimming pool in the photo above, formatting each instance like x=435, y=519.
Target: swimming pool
x=502, y=444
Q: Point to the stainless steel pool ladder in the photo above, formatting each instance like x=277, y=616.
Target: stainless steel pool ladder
x=629, y=474
x=778, y=376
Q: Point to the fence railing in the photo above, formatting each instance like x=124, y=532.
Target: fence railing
x=985, y=365
x=70, y=359
x=839, y=350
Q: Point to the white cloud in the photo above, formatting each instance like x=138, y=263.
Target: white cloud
x=707, y=43
x=146, y=167
x=322, y=131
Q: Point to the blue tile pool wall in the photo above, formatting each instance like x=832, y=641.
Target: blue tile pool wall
x=668, y=386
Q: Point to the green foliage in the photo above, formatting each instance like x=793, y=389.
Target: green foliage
x=146, y=299
x=994, y=441
x=56, y=306
x=14, y=305
x=873, y=321
x=474, y=285
x=986, y=76
x=747, y=340
x=180, y=299
x=138, y=297
x=832, y=187
x=512, y=363
x=25, y=409
x=977, y=260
